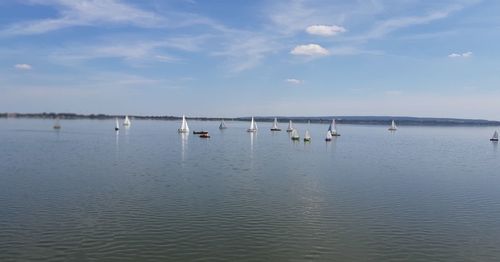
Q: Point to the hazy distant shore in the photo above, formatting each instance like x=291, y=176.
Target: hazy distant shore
x=361, y=120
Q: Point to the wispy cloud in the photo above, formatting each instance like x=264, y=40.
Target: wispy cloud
x=325, y=30
x=460, y=55
x=144, y=50
x=310, y=50
x=85, y=13
x=105, y=12
x=385, y=27
x=23, y=66
x=247, y=50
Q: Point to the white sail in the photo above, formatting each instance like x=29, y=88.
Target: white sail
x=307, y=136
x=495, y=135
x=117, y=124
x=222, y=124
x=295, y=134
x=393, y=126
x=328, y=135
x=126, y=122
x=290, y=126
x=275, y=124
x=253, y=126
x=184, y=125
x=333, y=127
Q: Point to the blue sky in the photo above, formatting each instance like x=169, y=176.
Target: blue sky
x=241, y=58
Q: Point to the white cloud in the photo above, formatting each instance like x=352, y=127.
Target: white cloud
x=457, y=55
x=23, y=66
x=294, y=81
x=325, y=30
x=310, y=50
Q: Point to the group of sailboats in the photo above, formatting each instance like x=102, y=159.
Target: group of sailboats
x=184, y=128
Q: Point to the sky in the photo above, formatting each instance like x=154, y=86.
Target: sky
x=230, y=58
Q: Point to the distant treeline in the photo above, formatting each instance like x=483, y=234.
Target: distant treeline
x=360, y=120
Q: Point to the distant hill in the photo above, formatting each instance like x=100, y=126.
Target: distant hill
x=361, y=120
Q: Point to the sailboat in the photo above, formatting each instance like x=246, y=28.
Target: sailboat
x=57, y=125
x=295, y=135
x=275, y=125
x=307, y=137
x=494, y=138
x=126, y=122
x=328, y=136
x=333, y=128
x=117, y=125
x=222, y=124
x=253, y=126
x=184, y=126
x=290, y=127
x=393, y=126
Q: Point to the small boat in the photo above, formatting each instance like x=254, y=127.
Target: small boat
x=333, y=128
x=290, y=127
x=328, y=136
x=253, y=126
x=275, y=125
x=200, y=132
x=222, y=124
x=57, y=125
x=494, y=138
x=393, y=126
x=295, y=135
x=307, y=137
x=126, y=122
x=205, y=135
x=184, y=126
x=117, y=125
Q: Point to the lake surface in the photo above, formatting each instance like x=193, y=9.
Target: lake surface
x=150, y=194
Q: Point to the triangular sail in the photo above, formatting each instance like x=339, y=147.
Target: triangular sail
x=184, y=125
x=290, y=125
x=117, y=124
x=328, y=135
x=495, y=135
x=222, y=124
x=275, y=124
x=333, y=127
x=393, y=126
x=253, y=126
x=126, y=122
x=307, y=135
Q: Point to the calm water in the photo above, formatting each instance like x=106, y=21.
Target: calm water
x=150, y=194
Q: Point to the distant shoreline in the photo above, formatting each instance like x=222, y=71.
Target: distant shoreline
x=356, y=120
